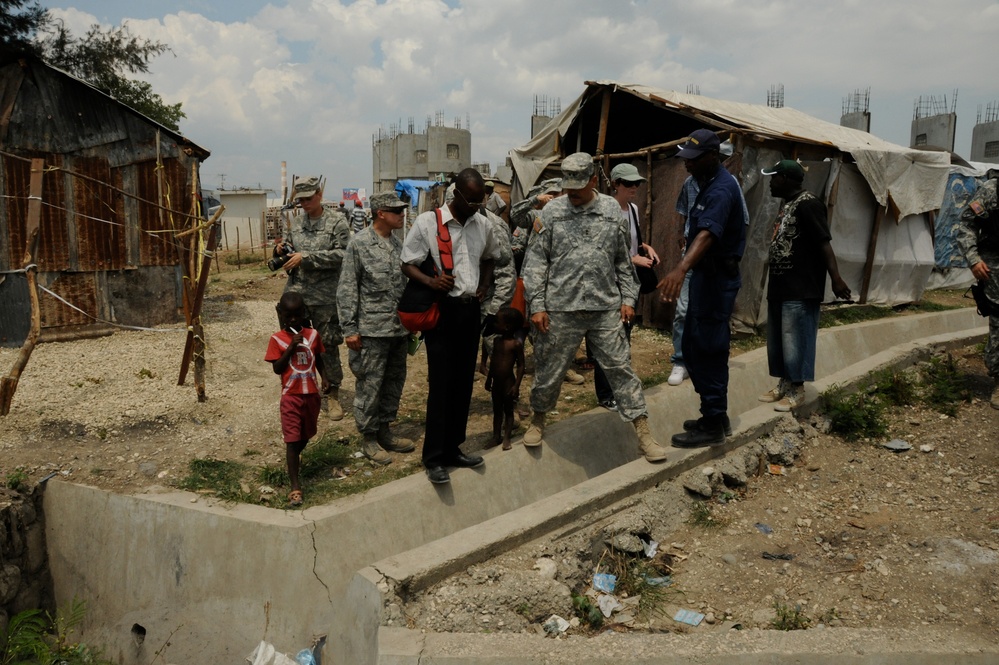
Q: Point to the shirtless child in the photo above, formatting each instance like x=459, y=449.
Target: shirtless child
x=506, y=371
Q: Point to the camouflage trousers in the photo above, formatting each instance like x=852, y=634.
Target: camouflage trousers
x=992, y=292
x=380, y=369
x=327, y=323
x=555, y=350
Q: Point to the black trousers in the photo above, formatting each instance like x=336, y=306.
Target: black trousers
x=452, y=351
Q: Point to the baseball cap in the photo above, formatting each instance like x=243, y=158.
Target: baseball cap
x=699, y=142
x=788, y=168
x=385, y=201
x=549, y=186
x=577, y=169
x=626, y=172
x=305, y=187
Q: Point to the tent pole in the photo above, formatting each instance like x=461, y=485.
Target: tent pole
x=871, y=247
x=604, y=118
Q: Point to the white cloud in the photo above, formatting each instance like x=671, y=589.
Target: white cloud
x=310, y=81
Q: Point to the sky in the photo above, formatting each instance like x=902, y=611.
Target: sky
x=310, y=82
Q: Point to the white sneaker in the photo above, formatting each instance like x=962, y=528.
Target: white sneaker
x=677, y=376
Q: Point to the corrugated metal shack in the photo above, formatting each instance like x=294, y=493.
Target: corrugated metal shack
x=105, y=243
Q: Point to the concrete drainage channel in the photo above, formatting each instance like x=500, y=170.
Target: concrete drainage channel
x=214, y=580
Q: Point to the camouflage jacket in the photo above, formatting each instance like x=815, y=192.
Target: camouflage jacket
x=504, y=272
x=578, y=259
x=321, y=242
x=979, y=228
x=370, y=286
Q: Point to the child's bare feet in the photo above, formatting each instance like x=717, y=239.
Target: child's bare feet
x=506, y=444
x=495, y=441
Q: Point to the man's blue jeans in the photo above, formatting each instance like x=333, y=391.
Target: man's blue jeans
x=792, y=328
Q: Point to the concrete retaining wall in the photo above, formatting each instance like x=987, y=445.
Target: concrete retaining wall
x=222, y=578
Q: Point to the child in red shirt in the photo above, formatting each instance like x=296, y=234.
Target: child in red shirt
x=295, y=352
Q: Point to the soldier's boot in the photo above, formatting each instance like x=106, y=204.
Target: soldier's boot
x=334, y=409
x=995, y=396
x=647, y=443
x=536, y=432
x=390, y=443
x=374, y=452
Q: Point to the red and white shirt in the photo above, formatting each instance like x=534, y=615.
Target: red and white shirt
x=300, y=378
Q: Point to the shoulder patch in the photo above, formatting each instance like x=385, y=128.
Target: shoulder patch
x=538, y=227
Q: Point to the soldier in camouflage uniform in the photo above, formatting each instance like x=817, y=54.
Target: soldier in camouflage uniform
x=319, y=236
x=525, y=213
x=369, y=291
x=978, y=238
x=579, y=281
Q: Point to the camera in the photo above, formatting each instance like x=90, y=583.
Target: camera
x=280, y=257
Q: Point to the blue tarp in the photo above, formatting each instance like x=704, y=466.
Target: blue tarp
x=411, y=189
x=960, y=189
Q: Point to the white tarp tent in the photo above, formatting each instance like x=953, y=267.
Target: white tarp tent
x=878, y=194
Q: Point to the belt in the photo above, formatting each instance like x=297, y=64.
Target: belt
x=463, y=300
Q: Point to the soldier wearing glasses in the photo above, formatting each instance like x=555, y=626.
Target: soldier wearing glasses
x=452, y=347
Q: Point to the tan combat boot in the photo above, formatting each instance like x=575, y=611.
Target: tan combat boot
x=388, y=442
x=374, y=452
x=536, y=432
x=335, y=410
x=647, y=443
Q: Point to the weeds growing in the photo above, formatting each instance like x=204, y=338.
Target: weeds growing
x=789, y=618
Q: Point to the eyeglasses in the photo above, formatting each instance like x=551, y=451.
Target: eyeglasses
x=472, y=204
x=629, y=185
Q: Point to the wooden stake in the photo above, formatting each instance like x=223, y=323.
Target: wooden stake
x=8, y=384
x=872, y=245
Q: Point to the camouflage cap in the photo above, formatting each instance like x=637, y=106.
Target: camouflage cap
x=305, y=187
x=577, y=169
x=550, y=186
x=386, y=201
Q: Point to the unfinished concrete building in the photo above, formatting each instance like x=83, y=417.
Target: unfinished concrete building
x=857, y=110
x=428, y=155
x=933, y=125
x=985, y=135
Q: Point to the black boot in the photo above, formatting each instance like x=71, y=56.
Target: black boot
x=689, y=425
x=709, y=431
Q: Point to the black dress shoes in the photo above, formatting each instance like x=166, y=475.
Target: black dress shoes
x=463, y=461
x=438, y=475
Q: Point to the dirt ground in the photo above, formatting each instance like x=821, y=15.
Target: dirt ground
x=108, y=411
x=875, y=538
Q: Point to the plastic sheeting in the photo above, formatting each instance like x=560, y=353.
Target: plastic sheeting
x=914, y=180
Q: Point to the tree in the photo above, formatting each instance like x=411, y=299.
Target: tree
x=102, y=58
x=18, y=26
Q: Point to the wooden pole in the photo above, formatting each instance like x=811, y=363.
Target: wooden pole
x=872, y=245
x=249, y=225
x=8, y=384
x=238, y=261
x=604, y=118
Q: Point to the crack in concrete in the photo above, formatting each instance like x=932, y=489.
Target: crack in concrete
x=315, y=558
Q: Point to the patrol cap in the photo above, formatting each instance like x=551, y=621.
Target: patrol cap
x=550, y=186
x=305, y=187
x=577, y=169
x=386, y=201
x=625, y=172
x=788, y=168
x=698, y=143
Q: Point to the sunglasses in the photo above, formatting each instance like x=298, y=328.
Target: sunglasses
x=629, y=185
x=473, y=204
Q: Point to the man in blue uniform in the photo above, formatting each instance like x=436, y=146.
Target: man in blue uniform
x=715, y=241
